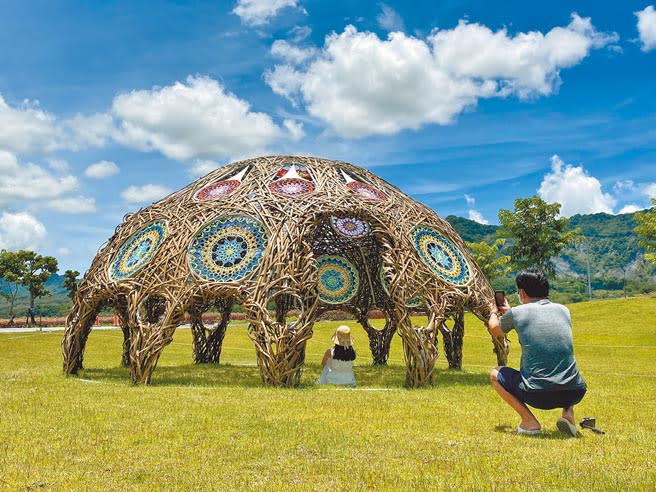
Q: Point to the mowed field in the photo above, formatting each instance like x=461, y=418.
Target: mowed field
x=211, y=428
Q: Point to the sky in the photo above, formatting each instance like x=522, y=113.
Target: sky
x=107, y=106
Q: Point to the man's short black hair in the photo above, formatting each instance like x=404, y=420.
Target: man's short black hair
x=534, y=282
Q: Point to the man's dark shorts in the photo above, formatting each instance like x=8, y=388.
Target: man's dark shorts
x=511, y=380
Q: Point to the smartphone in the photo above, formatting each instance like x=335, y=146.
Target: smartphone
x=499, y=298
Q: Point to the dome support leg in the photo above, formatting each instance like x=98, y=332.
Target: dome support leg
x=78, y=326
x=379, y=340
x=453, y=339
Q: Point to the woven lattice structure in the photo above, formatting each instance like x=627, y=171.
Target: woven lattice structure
x=297, y=233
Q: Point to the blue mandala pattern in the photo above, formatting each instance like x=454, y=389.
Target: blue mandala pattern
x=137, y=251
x=441, y=256
x=339, y=280
x=350, y=226
x=227, y=249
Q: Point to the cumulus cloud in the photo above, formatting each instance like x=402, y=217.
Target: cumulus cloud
x=291, y=53
x=30, y=182
x=59, y=165
x=145, y=193
x=195, y=119
x=73, y=205
x=574, y=189
x=203, y=167
x=647, y=27
x=476, y=216
x=650, y=190
x=362, y=85
x=260, y=12
x=21, y=231
x=629, y=209
x=389, y=19
x=27, y=128
x=102, y=169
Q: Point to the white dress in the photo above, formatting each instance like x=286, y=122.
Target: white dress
x=337, y=372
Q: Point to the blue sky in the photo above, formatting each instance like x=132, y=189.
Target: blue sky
x=108, y=106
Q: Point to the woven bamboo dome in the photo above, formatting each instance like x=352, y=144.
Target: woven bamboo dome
x=298, y=233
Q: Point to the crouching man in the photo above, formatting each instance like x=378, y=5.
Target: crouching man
x=548, y=376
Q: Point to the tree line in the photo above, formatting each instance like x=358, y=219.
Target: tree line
x=30, y=270
x=534, y=233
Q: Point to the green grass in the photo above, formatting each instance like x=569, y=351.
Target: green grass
x=217, y=428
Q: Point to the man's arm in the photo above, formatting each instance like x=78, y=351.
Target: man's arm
x=493, y=326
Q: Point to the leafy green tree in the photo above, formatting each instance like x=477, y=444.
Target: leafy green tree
x=70, y=282
x=34, y=271
x=537, y=231
x=646, y=229
x=10, y=271
x=488, y=257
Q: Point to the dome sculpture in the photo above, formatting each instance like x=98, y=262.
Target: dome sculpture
x=295, y=233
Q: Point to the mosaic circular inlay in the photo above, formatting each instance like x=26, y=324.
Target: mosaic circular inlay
x=350, y=226
x=291, y=187
x=227, y=249
x=217, y=190
x=366, y=191
x=441, y=255
x=137, y=251
x=338, y=279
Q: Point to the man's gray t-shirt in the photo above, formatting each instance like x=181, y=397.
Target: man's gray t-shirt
x=545, y=334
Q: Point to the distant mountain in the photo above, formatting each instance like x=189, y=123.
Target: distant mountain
x=610, y=245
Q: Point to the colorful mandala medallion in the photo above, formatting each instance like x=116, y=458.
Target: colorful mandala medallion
x=350, y=226
x=227, y=249
x=338, y=279
x=301, y=170
x=441, y=255
x=366, y=191
x=217, y=190
x=137, y=251
x=291, y=186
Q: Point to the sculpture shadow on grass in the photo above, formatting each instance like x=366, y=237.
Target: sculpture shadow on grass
x=226, y=375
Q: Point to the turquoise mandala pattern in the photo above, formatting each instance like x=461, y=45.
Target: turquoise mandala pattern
x=137, y=251
x=227, y=249
x=441, y=255
x=338, y=279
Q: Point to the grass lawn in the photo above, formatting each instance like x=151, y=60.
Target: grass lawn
x=217, y=428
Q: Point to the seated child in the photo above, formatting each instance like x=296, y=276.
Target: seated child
x=338, y=361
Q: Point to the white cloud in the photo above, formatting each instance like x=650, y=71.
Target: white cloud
x=30, y=182
x=290, y=53
x=476, y=216
x=145, y=193
x=196, y=119
x=629, y=209
x=624, y=185
x=647, y=27
x=469, y=199
x=203, y=167
x=527, y=64
x=63, y=251
x=21, y=231
x=259, y=12
x=74, y=205
x=59, y=165
x=102, y=169
x=295, y=129
x=389, y=19
x=361, y=85
x=29, y=129
x=650, y=190
x=574, y=189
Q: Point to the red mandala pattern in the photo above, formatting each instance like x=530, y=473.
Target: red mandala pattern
x=366, y=191
x=291, y=187
x=217, y=190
